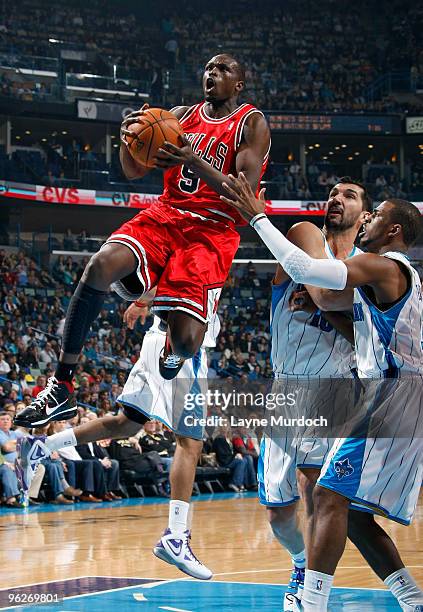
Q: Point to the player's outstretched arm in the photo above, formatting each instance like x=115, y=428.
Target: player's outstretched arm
x=366, y=269
x=249, y=159
x=308, y=237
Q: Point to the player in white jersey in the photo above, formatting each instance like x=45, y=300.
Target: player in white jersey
x=361, y=467
x=147, y=395
x=306, y=346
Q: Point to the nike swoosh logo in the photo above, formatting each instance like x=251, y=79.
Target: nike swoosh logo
x=175, y=548
x=50, y=411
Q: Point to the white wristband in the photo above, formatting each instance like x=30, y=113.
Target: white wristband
x=327, y=273
x=256, y=218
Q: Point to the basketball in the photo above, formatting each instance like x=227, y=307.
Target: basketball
x=150, y=132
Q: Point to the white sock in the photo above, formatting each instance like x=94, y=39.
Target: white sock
x=299, y=560
x=178, y=516
x=316, y=592
x=404, y=588
x=61, y=440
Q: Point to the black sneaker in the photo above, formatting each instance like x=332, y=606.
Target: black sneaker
x=169, y=363
x=54, y=403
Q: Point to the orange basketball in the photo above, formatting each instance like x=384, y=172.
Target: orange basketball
x=152, y=129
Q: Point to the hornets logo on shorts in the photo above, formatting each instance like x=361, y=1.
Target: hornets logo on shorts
x=343, y=468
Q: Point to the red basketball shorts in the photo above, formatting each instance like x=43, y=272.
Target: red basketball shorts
x=186, y=255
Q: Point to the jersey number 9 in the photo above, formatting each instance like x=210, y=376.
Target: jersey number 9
x=189, y=182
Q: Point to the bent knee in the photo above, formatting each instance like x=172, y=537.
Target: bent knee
x=185, y=345
x=281, y=516
x=325, y=500
x=98, y=269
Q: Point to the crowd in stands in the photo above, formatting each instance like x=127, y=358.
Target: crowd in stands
x=287, y=49
x=287, y=181
x=33, y=302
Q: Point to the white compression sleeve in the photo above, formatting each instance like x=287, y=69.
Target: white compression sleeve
x=326, y=273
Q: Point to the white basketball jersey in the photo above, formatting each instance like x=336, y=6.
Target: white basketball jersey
x=388, y=343
x=305, y=344
x=210, y=337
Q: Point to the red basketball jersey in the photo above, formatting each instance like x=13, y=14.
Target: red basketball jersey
x=216, y=141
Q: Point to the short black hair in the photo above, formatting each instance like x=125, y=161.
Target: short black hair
x=239, y=64
x=366, y=198
x=407, y=215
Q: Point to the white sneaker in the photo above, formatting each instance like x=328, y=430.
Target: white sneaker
x=175, y=549
x=411, y=607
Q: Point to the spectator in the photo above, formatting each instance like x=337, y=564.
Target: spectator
x=97, y=453
x=243, y=443
x=227, y=457
x=8, y=437
x=130, y=456
x=152, y=440
x=48, y=355
x=80, y=472
x=10, y=493
x=4, y=366
x=40, y=385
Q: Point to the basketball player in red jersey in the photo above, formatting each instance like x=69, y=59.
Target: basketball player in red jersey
x=183, y=245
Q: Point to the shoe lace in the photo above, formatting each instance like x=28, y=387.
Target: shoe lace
x=172, y=360
x=188, y=546
x=297, y=577
x=45, y=394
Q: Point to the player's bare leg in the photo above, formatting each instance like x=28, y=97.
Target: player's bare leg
x=327, y=539
x=286, y=529
x=113, y=262
x=184, y=338
x=306, y=481
x=184, y=464
x=383, y=557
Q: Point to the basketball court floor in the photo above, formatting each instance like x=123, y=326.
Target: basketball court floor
x=83, y=557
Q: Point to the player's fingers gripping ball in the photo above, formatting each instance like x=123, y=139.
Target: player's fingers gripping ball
x=153, y=128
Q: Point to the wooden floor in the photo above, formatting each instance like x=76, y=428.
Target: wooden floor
x=230, y=535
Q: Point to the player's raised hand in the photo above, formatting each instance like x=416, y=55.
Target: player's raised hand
x=129, y=120
x=242, y=197
x=301, y=300
x=133, y=313
x=170, y=155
